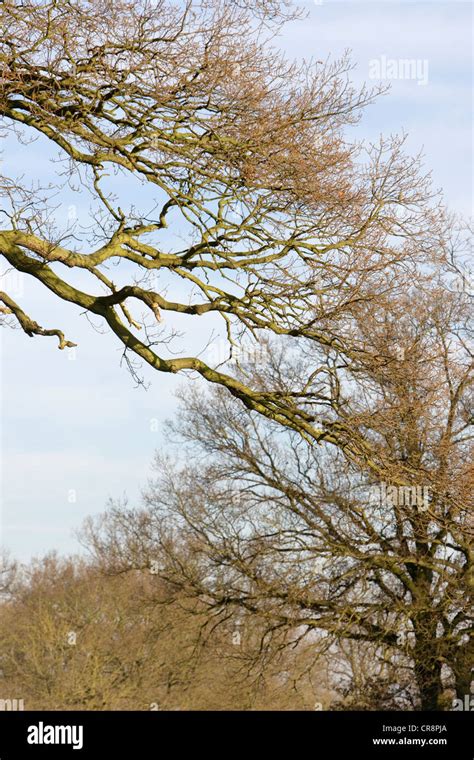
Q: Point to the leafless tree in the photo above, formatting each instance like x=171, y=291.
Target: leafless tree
x=260, y=211
x=72, y=638
x=370, y=551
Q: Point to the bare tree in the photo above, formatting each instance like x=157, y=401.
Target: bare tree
x=74, y=638
x=253, y=210
x=8, y=573
x=374, y=551
x=259, y=210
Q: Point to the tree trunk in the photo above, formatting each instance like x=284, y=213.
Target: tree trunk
x=428, y=677
x=427, y=660
x=463, y=670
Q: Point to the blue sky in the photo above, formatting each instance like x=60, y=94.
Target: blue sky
x=75, y=430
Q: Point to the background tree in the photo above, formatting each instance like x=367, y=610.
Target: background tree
x=8, y=570
x=73, y=638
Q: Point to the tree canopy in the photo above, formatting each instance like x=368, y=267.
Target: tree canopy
x=260, y=210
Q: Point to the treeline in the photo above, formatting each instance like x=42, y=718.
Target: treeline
x=75, y=638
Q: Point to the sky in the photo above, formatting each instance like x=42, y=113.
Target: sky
x=76, y=430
